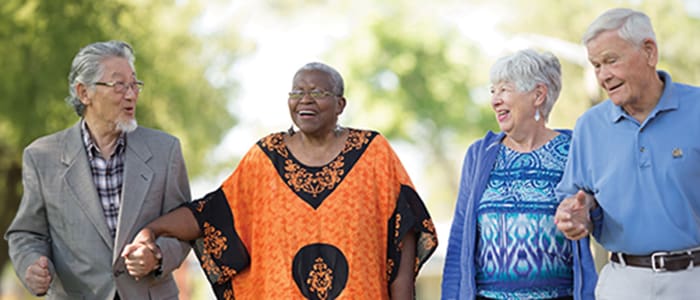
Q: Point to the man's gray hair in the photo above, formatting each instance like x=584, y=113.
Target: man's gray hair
x=631, y=25
x=338, y=87
x=87, y=67
x=528, y=68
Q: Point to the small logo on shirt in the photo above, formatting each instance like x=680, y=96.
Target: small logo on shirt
x=677, y=153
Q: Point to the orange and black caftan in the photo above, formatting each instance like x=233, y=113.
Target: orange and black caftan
x=278, y=229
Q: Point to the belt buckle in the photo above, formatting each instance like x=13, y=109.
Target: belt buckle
x=660, y=255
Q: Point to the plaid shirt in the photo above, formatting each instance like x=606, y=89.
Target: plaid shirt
x=108, y=176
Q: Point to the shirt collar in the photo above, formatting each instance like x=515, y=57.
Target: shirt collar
x=90, y=145
x=667, y=101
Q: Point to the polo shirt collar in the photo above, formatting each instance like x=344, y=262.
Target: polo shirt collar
x=667, y=101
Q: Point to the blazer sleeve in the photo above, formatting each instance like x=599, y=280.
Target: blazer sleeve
x=177, y=192
x=28, y=235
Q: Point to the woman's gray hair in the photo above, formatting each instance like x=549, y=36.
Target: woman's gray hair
x=338, y=87
x=528, y=68
x=631, y=25
x=87, y=67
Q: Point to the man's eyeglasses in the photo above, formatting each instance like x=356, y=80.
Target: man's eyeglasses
x=122, y=87
x=314, y=94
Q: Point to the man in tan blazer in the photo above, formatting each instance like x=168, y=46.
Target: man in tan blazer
x=88, y=190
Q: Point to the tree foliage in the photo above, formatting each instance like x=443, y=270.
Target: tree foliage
x=38, y=40
x=413, y=77
x=567, y=21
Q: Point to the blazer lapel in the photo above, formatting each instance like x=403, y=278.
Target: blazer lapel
x=137, y=180
x=78, y=178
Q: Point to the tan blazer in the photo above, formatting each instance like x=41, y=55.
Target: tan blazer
x=61, y=217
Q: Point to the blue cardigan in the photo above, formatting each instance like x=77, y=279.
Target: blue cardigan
x=459, y=273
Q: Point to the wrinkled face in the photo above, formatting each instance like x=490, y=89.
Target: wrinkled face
x=622, y=69
x=317, y=114
x=513, y=108
x=107, y=107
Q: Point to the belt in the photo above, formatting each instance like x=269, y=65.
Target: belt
x=660, y=261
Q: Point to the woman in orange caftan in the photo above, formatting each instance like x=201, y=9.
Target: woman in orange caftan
x=324, y=212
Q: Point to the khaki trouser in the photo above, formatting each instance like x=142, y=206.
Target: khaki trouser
x=620, y=282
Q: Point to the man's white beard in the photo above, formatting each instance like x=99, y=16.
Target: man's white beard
x=127, y=126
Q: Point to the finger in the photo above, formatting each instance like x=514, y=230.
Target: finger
x=144, y=236
x=43, y=261
x=562, y=216
x=129, y=249
x=566, y=227
x=581, y=199
x=37, y=270
x=38, y=284
x=569, y=228
x=38, y=289
x=581, y=234
x=140, y=252
x=576, y=232
x=153, y=248
x=567, y=205
x=136, y=273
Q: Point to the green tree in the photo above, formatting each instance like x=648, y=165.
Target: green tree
x=38, y=40
x=412, y=77
x=566, y=21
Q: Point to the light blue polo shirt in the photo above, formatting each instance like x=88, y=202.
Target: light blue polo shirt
x=646, y=177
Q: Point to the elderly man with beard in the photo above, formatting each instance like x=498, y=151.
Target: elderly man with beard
x=88, y=189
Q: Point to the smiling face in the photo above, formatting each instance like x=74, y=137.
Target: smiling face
x=315, y=116
x=623, y=70
x=107, y=109
x=514, y=109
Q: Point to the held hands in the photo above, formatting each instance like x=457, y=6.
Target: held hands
x=573, y=216
x=142, y=256
x=38, y=277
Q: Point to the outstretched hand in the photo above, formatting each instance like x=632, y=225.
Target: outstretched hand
x=142, y=255
x=573, y=216
x=38, y=277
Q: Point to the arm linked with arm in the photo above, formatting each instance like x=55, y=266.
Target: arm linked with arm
x=177, y=192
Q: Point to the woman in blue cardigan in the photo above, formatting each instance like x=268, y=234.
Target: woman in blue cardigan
x=503, y=241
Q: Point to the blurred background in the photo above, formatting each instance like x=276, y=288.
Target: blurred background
x=217, y=73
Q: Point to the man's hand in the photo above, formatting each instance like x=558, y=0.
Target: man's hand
x=142, y=256
x=573, y=216
x=38, y=277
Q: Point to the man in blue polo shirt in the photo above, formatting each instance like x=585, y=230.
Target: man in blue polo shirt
x=633, y=173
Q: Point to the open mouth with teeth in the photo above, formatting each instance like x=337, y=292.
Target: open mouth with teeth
x=306, y=113
x=502, y=114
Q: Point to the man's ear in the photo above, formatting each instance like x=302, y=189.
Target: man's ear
x=82, y=92
x=651, y=50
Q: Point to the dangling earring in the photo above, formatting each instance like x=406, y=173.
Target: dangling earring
x=537, y=115
x=291, y=131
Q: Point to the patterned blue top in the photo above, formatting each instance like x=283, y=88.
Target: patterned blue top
x=520, y=254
